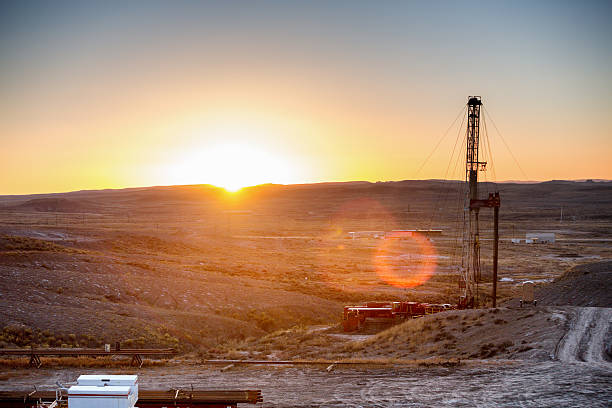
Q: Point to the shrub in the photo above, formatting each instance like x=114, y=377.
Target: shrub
x=504, y=345
x=262, y=320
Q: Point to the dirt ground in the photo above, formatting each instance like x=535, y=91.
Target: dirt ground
x=480, y=384
x=197, y=268
x=264, y=275
x=583, y=285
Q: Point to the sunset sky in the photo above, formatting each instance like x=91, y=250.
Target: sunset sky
x=234, y=93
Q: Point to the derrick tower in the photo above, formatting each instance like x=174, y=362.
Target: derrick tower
x=470, y=262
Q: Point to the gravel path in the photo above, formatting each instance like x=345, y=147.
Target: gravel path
x=584, y=340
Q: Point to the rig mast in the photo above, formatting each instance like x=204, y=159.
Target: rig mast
x=470, y=263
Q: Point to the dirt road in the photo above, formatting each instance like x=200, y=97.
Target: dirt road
x=494, y=384
x=585, y=338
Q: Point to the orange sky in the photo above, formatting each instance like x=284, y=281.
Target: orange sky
x=122, y=96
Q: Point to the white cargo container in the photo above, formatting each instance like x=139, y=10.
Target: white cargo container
x=101, y=380
x=104, y=391
x=110, y=396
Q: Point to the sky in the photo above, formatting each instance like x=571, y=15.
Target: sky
x=235, y=93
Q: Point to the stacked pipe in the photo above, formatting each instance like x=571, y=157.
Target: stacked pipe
x=147, y=398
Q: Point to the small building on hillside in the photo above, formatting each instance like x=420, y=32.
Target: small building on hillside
x=540, y=238
x=366, y=234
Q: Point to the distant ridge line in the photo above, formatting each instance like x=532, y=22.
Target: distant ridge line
x=316, y=184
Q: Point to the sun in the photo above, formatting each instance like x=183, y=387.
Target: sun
x=233, y=152
x=232, y=187
x=237, y=165
x=227, y=165
x=232, y=166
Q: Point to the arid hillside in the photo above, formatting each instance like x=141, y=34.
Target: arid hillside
x=588, y=285
x=195, y=267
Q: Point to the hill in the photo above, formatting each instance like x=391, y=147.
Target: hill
x=200, y=267
x=582, y=285
x=56, y=204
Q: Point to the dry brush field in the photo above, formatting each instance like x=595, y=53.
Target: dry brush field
x=202, y=270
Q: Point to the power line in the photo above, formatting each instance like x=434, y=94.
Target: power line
x=488, y=149
x=445, y=191
x=506, y=144
x=439, y=141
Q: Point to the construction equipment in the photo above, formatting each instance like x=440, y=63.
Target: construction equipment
x=355, y=317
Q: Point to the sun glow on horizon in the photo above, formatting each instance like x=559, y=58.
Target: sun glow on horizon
x=232, y=165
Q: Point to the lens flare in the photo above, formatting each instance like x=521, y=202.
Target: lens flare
x=405, y=259
x=362, y=215
x=344, y=251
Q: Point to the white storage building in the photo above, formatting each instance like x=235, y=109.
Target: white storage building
x=540, y=237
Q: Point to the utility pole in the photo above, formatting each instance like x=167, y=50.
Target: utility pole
x=495, y=249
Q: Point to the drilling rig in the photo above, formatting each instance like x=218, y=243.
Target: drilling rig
x=355, y=317
x=470, y=275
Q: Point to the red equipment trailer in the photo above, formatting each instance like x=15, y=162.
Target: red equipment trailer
x=355, y=317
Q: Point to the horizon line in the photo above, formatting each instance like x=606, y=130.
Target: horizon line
x=595, y=180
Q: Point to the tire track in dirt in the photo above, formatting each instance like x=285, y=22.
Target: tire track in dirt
x=584, y=340
x=595, y=351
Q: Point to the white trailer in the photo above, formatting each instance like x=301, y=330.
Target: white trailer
x=90, y=396
x=104, y=391
x=103, y=380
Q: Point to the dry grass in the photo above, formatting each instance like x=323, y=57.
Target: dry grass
x=80, y=362
x=9, y=243
x=298, y=341
x=465, y=334
x=369, y=362
x=428, y=362
x=24, y=336
x=174, y=257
